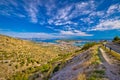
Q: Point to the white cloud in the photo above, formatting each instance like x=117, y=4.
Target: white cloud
x=107, y=25
x=75, y=33
x=87, y=20
x=97, y=13
x=20, y=15
x=82, y=8
x=31, y=7
x=5, y=12
x=40, y=35
x=32, y=11
x=64, y=15
x=10, y=7
x=33, y=35
x=113, y=9
x=8, y=3
x=65, y=23
x=68, y=28
x=50, y=6
x=13, y=2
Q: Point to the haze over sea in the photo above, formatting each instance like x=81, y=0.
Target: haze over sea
x=54, y=41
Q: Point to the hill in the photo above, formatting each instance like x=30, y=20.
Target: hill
x=20, y=59
x=26, y=60
x=95, y=63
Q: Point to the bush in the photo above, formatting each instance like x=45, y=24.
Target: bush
x=45, y=68
x=22, y=63
x=88, y=45
x=102, y=72
x=116, y=39
x=56, y=68
x=16, y=66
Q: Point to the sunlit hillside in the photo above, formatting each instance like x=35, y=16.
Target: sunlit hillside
x=19, y=58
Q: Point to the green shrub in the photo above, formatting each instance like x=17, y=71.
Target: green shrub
x=56, y=68
x=116, y=39
x=97, y=75
x=22, y=63
x=102, y=72
x=16, y=66
x=19, y=76
x=88, y=45
x=45, y=68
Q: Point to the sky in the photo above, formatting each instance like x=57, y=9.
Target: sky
x=60, y=19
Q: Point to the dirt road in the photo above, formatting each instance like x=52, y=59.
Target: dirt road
x=113, y=46
x=111, y=65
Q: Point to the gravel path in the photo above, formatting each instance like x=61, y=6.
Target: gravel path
x=112, y=66
x=113, y=46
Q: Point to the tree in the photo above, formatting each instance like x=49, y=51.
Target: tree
x=116, y=38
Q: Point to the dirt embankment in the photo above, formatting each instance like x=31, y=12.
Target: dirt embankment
x=82, y=67
x=93, y=64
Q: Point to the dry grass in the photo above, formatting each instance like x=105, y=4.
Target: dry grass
x=90, y=66
x=23, y=57
x=113, y=53
x=81, y=76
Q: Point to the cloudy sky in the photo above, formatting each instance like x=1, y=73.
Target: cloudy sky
x=51, y=19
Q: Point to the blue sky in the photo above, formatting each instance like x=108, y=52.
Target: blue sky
x=51, y=19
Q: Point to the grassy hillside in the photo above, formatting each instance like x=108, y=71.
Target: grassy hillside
x=19, y=58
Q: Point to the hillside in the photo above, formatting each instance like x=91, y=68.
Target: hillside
x=20, y=58
x=96, y=63
x=26, y=60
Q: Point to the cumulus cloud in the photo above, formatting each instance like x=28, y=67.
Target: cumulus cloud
x=107, y=25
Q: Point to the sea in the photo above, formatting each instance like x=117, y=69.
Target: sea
x=77, y=42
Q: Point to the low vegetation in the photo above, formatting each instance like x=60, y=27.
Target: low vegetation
x=25, y=60
x=111, y=52
x=116, y=39
x=21, y=59
x=96, y=72
x=88, y=45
